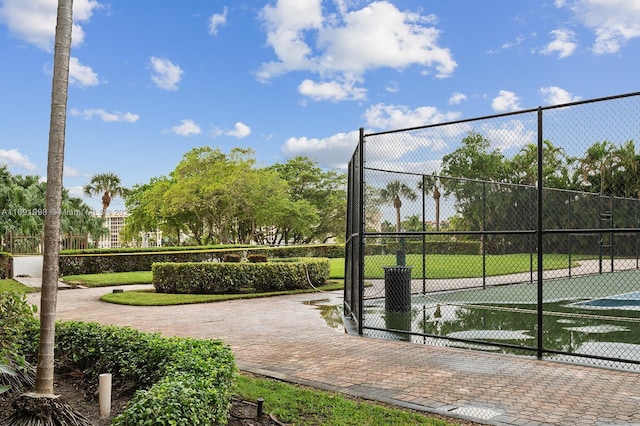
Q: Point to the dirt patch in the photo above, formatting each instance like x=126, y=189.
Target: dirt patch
x=73, y=390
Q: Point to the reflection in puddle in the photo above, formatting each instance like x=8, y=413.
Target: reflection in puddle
x=568, y=327
x=331, y=314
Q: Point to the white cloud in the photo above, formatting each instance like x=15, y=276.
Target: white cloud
x=510, y=44
x=14, y=158
x=216, y=20
x=387, y=117
x=350, y=43
x=555, y=96
x=34, y=21
x=81, y=75
x=286, y=23
x=76, y=191
x=166, y=75
x=392, y=87
x=107, y=117
x=511, y=134
x=564, y=43
x=379, y=36
x=241, y=131
x=456, y=98
x=613, y=22
x=332, y=91
x=505, y=101
x=70, y=171
x=332, y=152
x=186, y=128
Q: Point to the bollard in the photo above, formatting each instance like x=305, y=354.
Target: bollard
x=104, y=395
x=259, y=407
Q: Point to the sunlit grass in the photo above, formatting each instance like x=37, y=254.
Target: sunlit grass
x=299, y=405
x=109, y=279
x=443, y=266
x=15, y=286
x=151, y=298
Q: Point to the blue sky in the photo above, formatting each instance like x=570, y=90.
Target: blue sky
x=152, y=79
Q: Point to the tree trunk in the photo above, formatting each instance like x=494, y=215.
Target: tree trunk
x=397, y=203
x=436, y=197
x=55, y=164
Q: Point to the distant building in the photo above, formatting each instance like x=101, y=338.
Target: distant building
x=114, y=222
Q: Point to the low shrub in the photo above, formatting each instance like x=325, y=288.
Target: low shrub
x=180, y=381
x=231, y=257
x=257, y=258
x=5, y=265
x=16, y=322
x=212, y=278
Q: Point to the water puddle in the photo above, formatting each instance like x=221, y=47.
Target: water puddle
x=331, y=314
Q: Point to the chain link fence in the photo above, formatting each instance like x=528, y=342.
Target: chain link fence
x=452, y=241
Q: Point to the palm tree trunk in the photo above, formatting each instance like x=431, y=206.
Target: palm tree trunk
x=436, y=197
x=55, y=161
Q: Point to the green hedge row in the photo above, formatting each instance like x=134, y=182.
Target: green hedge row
x=5, y=265
x=127, y=260
x=233, y=277
x=430, y=247
x=180, y=381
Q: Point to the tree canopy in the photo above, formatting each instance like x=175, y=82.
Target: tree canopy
x=213, y=197
x=22, y=208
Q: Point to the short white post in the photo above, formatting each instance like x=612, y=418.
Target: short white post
x=104, y=395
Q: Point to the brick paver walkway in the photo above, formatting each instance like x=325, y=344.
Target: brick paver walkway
x=286, y=337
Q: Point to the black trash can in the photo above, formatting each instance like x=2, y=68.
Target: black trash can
x=397, y=288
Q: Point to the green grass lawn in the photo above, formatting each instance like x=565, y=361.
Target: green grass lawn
x=441, y=266
x=151, y=298
x=15, y=286
x=299, y=405
x=438, y=266
x=109, y=279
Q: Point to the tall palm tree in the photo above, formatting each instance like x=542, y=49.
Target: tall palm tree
x=424, y=185
x=626, y=166
x=27, y=411
x=108, y=185
x=393, y=193
x=55, y=161
x=596, y=165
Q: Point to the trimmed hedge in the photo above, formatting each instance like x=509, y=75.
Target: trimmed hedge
x=431, y=247
x=79, y=262
x=230, y=277
x=181, y=381
x=5, y=265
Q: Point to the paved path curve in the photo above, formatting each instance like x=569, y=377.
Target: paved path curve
x=286, y=337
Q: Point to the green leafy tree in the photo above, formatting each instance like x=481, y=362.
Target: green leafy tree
x=413, y=223
x=146, y=207
x=465, y=169
x=324, y=191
